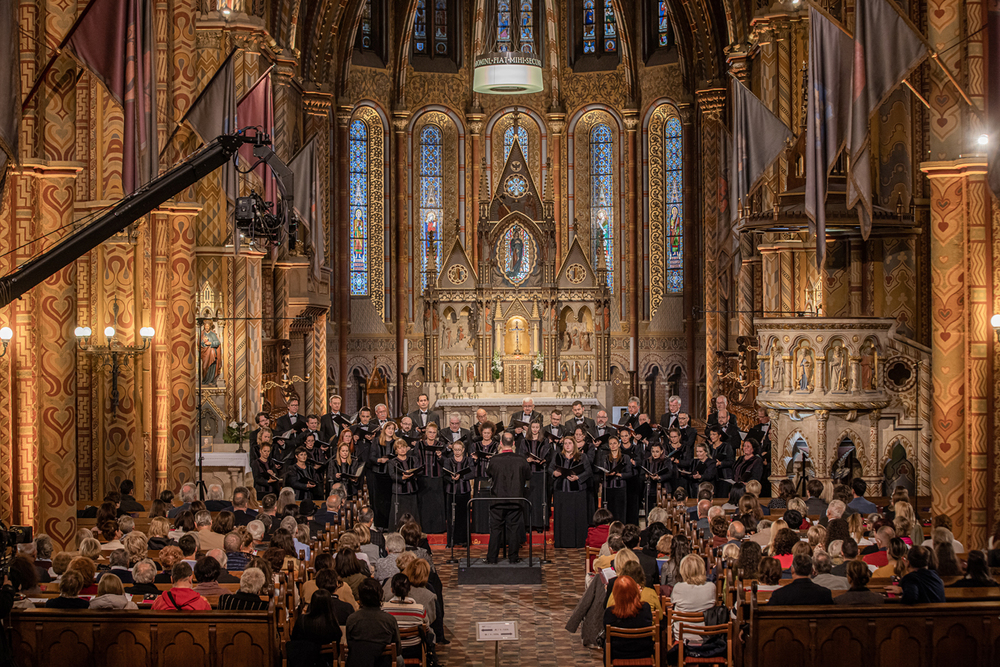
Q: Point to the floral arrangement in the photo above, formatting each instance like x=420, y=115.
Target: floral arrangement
x=497, y=365
x=538, y=366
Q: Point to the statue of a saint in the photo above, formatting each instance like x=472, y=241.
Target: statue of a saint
x=210, y=344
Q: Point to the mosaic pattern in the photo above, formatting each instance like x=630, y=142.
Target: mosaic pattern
x=674, y=200
x=602, y=197
x=431, y=201
x=516, y=186
x=359, y=208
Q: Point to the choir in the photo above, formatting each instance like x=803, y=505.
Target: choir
x=417, y=466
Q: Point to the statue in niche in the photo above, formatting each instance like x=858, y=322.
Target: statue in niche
x=585, y=341
x=210, y=344
x=838, y=369
x=470, y=372
x=868, y=367
x=516, y=257
x=564, y=373
x=763, y=366
x=567, y=340
x=577, y=373
x=806, y=370
x=777, y=372
x=446, y=372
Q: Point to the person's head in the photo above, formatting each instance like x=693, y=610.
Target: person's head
x=919, y=557
x=422, y=402
x=90, y=548
x=859, y=487
x=135, y=547
x=802, y=566
x=703, y=506
x=207, y=569
x=693, y=570
x=23, y=575
x=664, y=544
x=184, y=521
x=680, y=494
x=256, y=529
x=109, y=531
x=884, y=535
x=786, y=489
x=117, y=558
x=784, y=541
x=719, y=526
x=110, y=584
x=748, y=562
x=848, y=548
x=71, y=583
x=181, y=573
x=158, y=509
x=223, y=522
x=418, y=572
x=977, y=568
x=947, y=562
x=240, y=495
x=293, y=406
x=370, y=594
x=817, y=537
x=838, y=529
x=347, y=563
x=577, y=409
x=188, y=493
x=144, y=571
x=126, y=524
x=622, y=556
x=770, y=571
x=603, y=517
x=400, y=585
x=602, y=418
x=835, y=509
x=252, y=581
x=753, y=487
x=822, y=563
x=735, y=493
x=631, y=535
x=736, y=531
x=84, y=566
x=701, y=451
x=799, y=506
x=169, y=556
x=814, y=488
x=188, y=545
x=633, y=405
x=507, y=442
x=627, y=593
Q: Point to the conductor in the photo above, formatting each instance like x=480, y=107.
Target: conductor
x=509, y=472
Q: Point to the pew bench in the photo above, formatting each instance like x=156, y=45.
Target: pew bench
x=84, y=638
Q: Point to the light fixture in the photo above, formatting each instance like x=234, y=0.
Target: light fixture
x=983, y=140
x=5, y=335
x=994, y=322
x=113, y=354
x=504, y=68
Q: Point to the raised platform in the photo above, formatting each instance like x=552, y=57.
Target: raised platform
x=504, y=573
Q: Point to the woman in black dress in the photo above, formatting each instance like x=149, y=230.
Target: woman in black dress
x=343, y=465
x=617, y=468
x=264, y=474
x=458, y=474
x=725, y=420
x=660, y=475
x=431, y=494
x=300, y=477
x=725, y=458
x=404, y=485
x=380, y=453
x=570, y=495
x=702, y=470
x=480, y=451
x=537, y=449
x=633, y=486
x=749, y=466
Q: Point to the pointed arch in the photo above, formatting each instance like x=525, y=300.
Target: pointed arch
x=368, y=202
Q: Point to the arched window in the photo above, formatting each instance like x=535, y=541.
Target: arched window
x=524, y=23
x=602, y=215
x=673, y=164
x=364, y=38
x=594, y=32
x=431, y=201
x=658, y=33
x=359, y=208
x=432, y=28
x=369, y=40
x=508, y=141
x=664, y=33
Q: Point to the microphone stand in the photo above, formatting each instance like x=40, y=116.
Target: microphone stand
x=646, y=504
x=545, y=516
x=452, y=560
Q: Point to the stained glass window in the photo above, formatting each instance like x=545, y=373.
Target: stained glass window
x=674, y=203
x=366, y=25
x=503, y=25
x=602, y=212
x=527, y=26
x=600, y=29
x=663, y=25
x=359, y=208
x=430, y=28
x=508, y=141
x=524, y=23
x=431, y=201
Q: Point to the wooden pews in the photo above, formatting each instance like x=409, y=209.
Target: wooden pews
x=86, y=638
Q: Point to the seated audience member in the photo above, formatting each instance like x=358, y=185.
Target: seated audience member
x=24, y=581
x=816, y=538
x=748, y=562
x=895, y=560
x=883, y=536
x=242, y=514
x=91, y=549
x=60, y=563
x=849, y=552
x=670, y=573
x=248, y=597
x=719, y=527
x=238, y=551
x=257, y=530
x=597, y=534
x=763, y=535
x=385, y=568
x=947, y=561
x=282, y=539
x=784, y=541
x=649, y=595
x=43, y=557
x=736, y=533
x=838, y=529
x=802, y=590
x=183, y=524
x=920, y=585
x=977, y=572
x=769, y=574
x=858, y=575
x=86, y=567
x=693, y=594
x=206, y=573
x=343, y=600
x=168, y=558
x=614, y=529
x=631, y=612
x=70, y=586
x=136, y=548
x=793, y=519
x=325, y=562
x=216, y=500
x=314, y=627
x=648, y=554
x=815, y=505
x=368, y=548
x=159, y=527
x=158, y=508
x=370, y=630
x=181, y=596
x=822, y=566
x=859, y=503
x=126, y=525
x=111, y=595
x=207, y=537
x=403, y=561
x=224, y=576
x=111, y=536
x=119, y=566
x=350, y=569
x=786, y=491
x=351, y=541
x=417, y=573
x=189, y=549
x=143, y=574
x=408, y=614
x=944, y=521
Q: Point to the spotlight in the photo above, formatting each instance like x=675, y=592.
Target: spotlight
x=983, y=139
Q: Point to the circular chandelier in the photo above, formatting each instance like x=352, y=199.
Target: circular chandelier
x=504, y=68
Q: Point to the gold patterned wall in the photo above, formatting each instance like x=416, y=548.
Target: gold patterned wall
x=376, y=205
x=657, y=205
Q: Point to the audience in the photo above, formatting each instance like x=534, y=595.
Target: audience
x=802, y=590
x=895, y=560
x=206, y=573
x=649, y=595
x=920, y=584
x=143, y=575
x=111, y=595
x=632, y=612
x=408, y=614
x=315, y=626
x=252, y=585
x=694, y=593
x=977, y=572
x=822, y=575
x=370, y=630
x=70, y=585
x=770, y=574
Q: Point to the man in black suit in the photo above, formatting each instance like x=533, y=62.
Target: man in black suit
x=216, y=501
x=528, y=414
x=631, y=416
x=129, y=503
x=377, y=537
x=761, y=432
x=601, y=427
x=329, y=429
x=189, y=494
x=481, y=418
x=509, y=472
x=802, y=590
x=329, y=514
x=455, y=432
x=263, y=421
x=579, y=419
x=671, y=417
x=241, y=513
x=292, y=420
x=555, y=426
x=423, y=416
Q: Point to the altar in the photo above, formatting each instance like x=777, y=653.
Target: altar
x=515, y=323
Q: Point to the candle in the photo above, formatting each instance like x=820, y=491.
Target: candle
x=631, y=354
x=406, y=355
x=241, y=411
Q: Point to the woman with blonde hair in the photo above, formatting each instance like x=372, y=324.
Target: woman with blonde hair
x=905, y=522
x=856, y=524
x=817, y=538
x=694, y=594
x=827, y=495
x=345, y=469
x=111, y=594
x=776, y=527
x=158, y=529
x=90, y=548
x=285, y=497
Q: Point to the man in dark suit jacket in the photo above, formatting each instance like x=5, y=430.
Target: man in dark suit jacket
x=631, y=415
x=423, y=416
x=241, y=513
x=761, y=432
x=578, y=419
x=129, y=503
x=802, y=590
x=672, y=415
x=528, y=414
x=555, y=425
x=455, y=432
x=329, y=430
x=509, y=473
x=292, y=420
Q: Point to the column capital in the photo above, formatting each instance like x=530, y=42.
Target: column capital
x=400, y=121
x=556, y=121
x=974, y=165
x=711, y=98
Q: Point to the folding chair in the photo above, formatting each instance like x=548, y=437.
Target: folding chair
x=652, y=632
x=705, y=631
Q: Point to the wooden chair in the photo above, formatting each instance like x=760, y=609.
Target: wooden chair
x=591, y=553
x=652, y=632
x=410, y=633
x=674, y=616
x=705, y=632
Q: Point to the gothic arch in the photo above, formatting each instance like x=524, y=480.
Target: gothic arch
x=887, y=453
x=859, y=446
x=378, y=202
x=537, y=155
x=655, y=232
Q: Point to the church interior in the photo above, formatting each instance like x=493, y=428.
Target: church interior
x=635, y=221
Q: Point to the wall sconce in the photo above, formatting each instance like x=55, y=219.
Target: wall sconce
x=113, y=354
x=994, y=322
x=5, y=335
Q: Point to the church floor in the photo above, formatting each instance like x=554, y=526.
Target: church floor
x=541, y=612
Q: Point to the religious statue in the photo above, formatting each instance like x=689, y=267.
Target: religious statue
x=868, y=378
x=564, y=372
x=838, y=369
x=585, y=341
x=777, y=372
x=446, y=372
x=806, y=365
x=516, y=251
x=210, y=343
x=470, y=372
x=577, y=373
x=517, y=328
x=567, y=340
